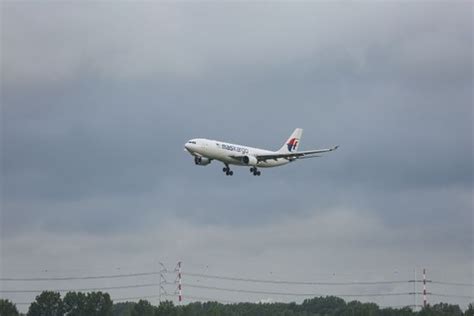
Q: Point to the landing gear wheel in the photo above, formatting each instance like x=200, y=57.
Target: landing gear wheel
x=252, y=169
x=227, y=170
x=258, y=173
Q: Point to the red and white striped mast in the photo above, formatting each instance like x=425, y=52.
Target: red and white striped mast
x=424, y=288
x=180, y=291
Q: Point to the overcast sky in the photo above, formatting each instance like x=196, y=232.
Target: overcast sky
x=98, y=99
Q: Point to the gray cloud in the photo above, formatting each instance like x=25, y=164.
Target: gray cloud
x=98, y=99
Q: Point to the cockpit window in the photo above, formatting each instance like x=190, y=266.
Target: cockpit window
x=192, y=142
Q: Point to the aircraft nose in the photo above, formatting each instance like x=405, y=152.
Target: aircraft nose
x=189, y=147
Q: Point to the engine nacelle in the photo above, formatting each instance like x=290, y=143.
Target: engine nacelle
x=201, y=161
x=250, y=160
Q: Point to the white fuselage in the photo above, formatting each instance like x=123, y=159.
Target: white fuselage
x=227, y=153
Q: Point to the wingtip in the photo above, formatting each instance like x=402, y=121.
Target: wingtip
x=335, y=147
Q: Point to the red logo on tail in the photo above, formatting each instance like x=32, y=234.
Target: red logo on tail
x=292, y=144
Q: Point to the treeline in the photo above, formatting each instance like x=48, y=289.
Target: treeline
x=100, y=304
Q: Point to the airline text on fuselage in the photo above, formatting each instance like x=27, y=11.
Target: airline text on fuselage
x=241, y=150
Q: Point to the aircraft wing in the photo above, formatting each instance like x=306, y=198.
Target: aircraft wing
x=295, y=155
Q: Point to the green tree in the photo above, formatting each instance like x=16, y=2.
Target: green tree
x=75, y=304
x=48, y=303
x=470, y=310
x=447, y=309
x=166, y=308
x=405, y=311
x=441, y=309
x=123, y=309
x=363, y=309
x=98, y=304
x=143, y=308
x=7, y=308
x=328, y=305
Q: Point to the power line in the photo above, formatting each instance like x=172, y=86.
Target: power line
x=288, y=293
x=83, y=289
x=452, y=295
x=453, y=283
x=219, y=277
x=228, y=290
x=206, y=299
x=95, y=277
x=228, y=278
x=202, y=275
x=120, y=299
x=399, y=306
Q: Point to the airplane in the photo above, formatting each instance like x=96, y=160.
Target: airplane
x=205, y=150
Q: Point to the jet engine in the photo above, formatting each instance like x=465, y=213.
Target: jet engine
x=249, y=160
x=201, y=161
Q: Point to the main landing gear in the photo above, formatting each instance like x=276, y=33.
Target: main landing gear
x=227, y=171
x=255, y=171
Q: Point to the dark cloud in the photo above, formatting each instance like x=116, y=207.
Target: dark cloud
x=98, y=99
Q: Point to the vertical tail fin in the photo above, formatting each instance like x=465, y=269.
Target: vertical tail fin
x=293, y=142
